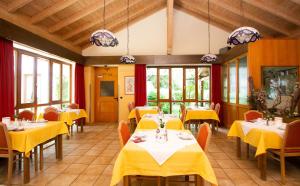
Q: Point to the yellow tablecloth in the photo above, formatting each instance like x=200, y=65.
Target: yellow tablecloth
x=201, y=115
x=25, y=141
x=68, y=117
x=147, y=123
x=142, y=112
x=259, y=138
x=134, y=160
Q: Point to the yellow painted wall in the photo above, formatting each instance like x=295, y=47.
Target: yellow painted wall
x=124, y=70
x=89, y=83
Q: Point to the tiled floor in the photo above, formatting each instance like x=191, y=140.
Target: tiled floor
x=89, y=158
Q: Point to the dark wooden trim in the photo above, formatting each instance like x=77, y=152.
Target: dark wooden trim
x=233, y=53
x=16, y=33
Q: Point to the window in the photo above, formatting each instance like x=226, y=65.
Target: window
x=41, y=81
x=172, y=86
x=235, y=81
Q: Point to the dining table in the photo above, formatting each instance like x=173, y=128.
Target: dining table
x=143, y=110
x=179, y=155
x=259, y=134
x=152, y=121
x=28, y=136
x=68, y=116
x=201, y=113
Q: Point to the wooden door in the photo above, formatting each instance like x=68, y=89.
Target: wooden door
x=106, y=95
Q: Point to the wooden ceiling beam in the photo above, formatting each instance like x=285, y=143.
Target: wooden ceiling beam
x=252, y=17
x=51, y=10
x=295, y=34
x=110, y=16
x=79, y=15
x=170, y=10
x=273, y=9
x=140, y=12
x=16, y=4
x=24, y=23
x=296, y=1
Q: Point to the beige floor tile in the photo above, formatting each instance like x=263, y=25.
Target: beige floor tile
x=85, y=159
x=219, y=155
x=236, y=174
x=85, y=180
x=78, y=152
x=57, y=168
x=94, y=169
x=63, y=180
x=102, y=160
x=42, y=179
x=75, y=169
x=227, y=164
x=246, y=164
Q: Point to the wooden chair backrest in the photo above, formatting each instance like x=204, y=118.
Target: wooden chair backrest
x=252, y=114
x=124, y=132
x=137, y=115
x=26, y=115
x=291, y=138
x=51, y=116
x=73, y=106
x=217, y=108
x=204, y=135
x=212, y=106
x=5, y=145
x=47, y=109
x=130, y=106
x=183, y=112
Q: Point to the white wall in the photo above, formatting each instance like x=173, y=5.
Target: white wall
x=149, y=37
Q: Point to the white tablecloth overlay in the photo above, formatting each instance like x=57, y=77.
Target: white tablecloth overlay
x=247, y=126
x=155, y=117
x=146, y=107
x=161, y=152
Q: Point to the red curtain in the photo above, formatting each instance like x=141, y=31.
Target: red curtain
x=216, y=86
x=6, y=78
x=79, y=86
x=140, y=85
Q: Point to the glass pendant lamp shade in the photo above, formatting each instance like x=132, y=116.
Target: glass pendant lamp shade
x=243, y=35
x=209, y=58
x=104, y=38
x=127, y=59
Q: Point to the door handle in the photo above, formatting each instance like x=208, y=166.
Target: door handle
x=116, y=98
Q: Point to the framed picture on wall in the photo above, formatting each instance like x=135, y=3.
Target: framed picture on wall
x=129, y=85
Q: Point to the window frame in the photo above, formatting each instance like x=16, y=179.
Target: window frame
x=35, y=105
x=184, y=99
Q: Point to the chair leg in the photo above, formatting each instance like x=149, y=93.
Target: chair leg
x=9, y=169
x=56, y=148
x=282, y=167
x=41, y=157
x=247, y=150
x=35, y=159
x=20, y=161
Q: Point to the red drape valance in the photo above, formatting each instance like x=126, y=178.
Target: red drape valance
x=79, y=86
x=140, y=85
x=6, y=78
x=216, y=86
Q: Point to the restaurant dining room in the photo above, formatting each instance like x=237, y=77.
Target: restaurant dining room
x=150, y=92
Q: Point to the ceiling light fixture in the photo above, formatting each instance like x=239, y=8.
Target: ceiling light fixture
x=103, y=37
x=127, y=59
x=243, y=34
x=208, y=58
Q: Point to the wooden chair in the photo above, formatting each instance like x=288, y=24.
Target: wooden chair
x=124, y=132
x=204, y=135
x=212, y=106
x=130, y=106
x=73, y=106
x=7, y=152
x=217, y=110
x=159, y=107
x=26, y=115
x=47, y=109
x=50, y=116
x=137, y=116
x=290, y=146
x=248, y=116
x=252, y=115
x=183, y=114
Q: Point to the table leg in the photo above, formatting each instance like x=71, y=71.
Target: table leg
x=69, y=129
x=26, y=167
x=35, y=159
x=59, y=147
x=81, y=124
x=199, y=181
x=238, y=147
x=213, y=126
x=41, y=157
x=263, y=166
x=125, y=180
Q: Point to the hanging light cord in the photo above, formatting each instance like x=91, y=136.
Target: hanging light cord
x=208, y=26
x=104, y=14
x=127, y=27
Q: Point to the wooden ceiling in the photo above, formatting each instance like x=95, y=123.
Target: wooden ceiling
x=69, y=23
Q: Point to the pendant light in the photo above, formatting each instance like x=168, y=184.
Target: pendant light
x=127, y=59
x=208, y=58
x=243, y=34
x=103, y=37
